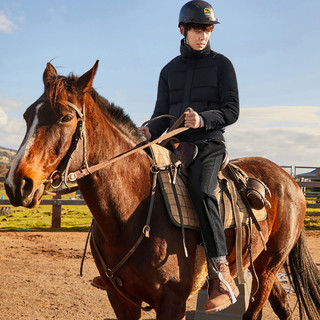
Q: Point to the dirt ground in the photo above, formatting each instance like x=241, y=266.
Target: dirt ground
x=39, y=274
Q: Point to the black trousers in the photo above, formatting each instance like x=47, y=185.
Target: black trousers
x=202, y=181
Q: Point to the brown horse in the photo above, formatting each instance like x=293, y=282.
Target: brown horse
x=157, y=272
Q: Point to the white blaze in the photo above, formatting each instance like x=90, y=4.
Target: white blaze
x=24, y=149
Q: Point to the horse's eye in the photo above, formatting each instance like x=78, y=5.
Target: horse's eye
x=66, y=118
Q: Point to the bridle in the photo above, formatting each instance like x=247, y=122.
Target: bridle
x=62, y=174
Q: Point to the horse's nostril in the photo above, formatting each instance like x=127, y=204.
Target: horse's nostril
x=26, y=187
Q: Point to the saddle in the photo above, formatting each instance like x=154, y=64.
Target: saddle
x=241, y=199
x=181, y=155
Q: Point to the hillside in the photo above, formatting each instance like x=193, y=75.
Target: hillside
x=6, y=157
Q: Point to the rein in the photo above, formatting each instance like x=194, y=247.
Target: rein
x=56, y=177
x=73, y=176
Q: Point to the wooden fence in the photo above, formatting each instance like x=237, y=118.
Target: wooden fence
x=56, y=202
x=310, y=185
x=308, y=178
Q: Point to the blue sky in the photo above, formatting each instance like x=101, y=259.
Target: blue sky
x=274, y=46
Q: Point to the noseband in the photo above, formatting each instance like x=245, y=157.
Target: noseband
x=61, y=175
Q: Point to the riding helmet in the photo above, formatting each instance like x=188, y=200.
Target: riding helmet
x=197, y=11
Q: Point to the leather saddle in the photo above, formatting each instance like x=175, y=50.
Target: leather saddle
x=185, y=152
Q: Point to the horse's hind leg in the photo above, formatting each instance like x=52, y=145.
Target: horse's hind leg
x=122, y=310
x=267, y=275
x=279, y=301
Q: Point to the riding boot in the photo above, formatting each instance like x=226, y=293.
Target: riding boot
x=97, y=282
x=222, y=290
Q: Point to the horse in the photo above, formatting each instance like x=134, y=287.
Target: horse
x=157, y=271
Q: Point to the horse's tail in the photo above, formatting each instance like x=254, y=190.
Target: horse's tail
x=305, y=279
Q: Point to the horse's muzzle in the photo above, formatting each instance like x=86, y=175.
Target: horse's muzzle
x=23, y=193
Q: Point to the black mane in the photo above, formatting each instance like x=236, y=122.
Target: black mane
x=117, y=116
x=60, y=85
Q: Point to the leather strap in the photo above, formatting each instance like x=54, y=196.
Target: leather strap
x=173, y=184
x=160, y=117
x=73, y=176
x=85, y=249
x=254, y=274
x=110, y=273
x=243, y=196
x=180, y=121
x=238, y=219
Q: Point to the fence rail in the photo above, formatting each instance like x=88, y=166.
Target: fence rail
x=309, y=184
x=55, y=202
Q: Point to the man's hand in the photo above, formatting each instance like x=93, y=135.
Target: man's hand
x=192, y=120
x=146, y=132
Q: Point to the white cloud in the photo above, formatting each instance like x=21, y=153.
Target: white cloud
x=9, y=104
x=6, y=25
x=3, y=117
x=12, y=130
x=283, y=134
x=271, y=116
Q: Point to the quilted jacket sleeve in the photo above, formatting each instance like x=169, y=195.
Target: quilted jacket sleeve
x=228, y=111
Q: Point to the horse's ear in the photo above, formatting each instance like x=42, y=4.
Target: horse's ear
x=49, y=73
x=85, y=81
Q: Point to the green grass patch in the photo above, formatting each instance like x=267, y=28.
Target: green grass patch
x=73, y=218
x=78, y=218
x=312, y=223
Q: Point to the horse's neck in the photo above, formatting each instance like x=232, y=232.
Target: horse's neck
x=115, y=194
x=109, y=140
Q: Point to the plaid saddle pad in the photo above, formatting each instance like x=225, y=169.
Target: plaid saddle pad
x=228, y=198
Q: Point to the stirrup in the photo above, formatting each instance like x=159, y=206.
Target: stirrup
x=221, y=278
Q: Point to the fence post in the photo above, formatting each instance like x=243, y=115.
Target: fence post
x=56, y=213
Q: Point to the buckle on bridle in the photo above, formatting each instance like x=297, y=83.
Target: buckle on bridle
x=109, y=273
x=146, y=231
x=55, y=179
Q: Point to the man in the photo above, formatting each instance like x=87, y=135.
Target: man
x=205, y=81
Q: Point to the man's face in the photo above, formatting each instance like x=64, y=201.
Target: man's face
x=197, y=39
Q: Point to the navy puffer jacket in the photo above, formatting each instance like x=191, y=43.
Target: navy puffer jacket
x=203, y=80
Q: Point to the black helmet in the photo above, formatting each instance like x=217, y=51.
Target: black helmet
x=197, y=11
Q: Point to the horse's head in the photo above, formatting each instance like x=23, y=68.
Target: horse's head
x=52, y=125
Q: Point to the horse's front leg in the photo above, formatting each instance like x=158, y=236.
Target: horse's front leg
x=122, y=310
x=172, y=306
